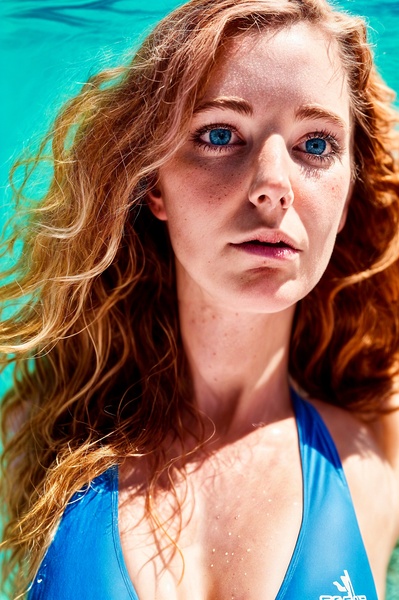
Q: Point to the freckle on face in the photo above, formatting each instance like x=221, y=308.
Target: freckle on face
x=206, y=195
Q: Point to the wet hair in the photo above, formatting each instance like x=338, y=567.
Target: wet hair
x=92, y=330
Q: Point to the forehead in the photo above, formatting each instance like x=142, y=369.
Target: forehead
x=299, y=64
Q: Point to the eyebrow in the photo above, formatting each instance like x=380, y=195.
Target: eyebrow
x=237, y=104
x=311, y=111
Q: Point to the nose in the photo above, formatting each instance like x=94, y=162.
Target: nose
x=271, y=185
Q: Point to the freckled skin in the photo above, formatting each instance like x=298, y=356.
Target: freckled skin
x=242, y=502
x=205, y=196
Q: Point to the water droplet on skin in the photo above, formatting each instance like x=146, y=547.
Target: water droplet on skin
x=226, y=553
x=211, y=565
x=248, y=549
x=218, y=516
x=232, y=554
x=237, y=517
x=213, y=549
x=229, y=532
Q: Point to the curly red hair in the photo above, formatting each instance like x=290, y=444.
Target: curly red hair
x=100, y=371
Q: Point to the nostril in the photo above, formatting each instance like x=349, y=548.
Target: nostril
x=262, y=197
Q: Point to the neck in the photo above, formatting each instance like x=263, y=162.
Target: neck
x=238, y=362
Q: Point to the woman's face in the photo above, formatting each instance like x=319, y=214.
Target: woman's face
x=256, y=195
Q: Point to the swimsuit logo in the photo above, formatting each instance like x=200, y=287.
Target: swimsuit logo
x=346, y=588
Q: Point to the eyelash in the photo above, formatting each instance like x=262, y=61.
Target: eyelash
x=320, y=158
x=329, y=137
x=196, y=138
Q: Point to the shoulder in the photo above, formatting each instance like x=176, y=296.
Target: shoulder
x=386, y=432
x=369, y=440
x=369, y=453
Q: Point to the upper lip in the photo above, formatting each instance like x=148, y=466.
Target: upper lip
x=270, y=236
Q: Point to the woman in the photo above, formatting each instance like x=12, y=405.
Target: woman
x=221, y=229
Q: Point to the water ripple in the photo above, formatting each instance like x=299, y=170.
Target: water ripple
x=84, y=14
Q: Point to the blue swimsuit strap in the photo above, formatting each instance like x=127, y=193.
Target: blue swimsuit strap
x=85, y=559
x=329, y=542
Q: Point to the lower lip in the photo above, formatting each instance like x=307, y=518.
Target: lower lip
x=265, y=251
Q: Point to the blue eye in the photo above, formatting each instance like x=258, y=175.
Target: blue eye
x=316, y=146
x=220, y=137
x=217, y=138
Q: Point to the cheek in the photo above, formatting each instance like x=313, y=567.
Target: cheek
x=322, y=218
x=195, y=196
x=206, y=178
x=328, y=203
x=189, y=216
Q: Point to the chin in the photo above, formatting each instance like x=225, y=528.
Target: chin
x=261, y=303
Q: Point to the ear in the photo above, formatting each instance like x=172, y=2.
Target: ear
x=156, y=204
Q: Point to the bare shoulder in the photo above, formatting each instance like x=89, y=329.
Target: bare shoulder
x=386, y=432
x=375, y=441
x=365, y=447
x=369, y=454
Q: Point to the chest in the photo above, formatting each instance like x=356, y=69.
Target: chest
x=229, y=528
x=260, y=520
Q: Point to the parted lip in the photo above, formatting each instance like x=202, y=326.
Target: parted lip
x=269, y=236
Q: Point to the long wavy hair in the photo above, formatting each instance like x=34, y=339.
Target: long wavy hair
x=90, y=317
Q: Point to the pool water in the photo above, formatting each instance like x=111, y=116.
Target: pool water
x=48, y=48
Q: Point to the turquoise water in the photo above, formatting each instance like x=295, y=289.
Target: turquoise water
x=48, y=48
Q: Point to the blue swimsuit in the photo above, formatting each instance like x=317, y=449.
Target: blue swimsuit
x=329, y=561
